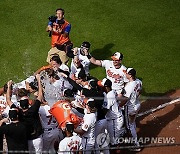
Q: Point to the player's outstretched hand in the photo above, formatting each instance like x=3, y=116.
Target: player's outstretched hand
x=75, y=50
x=38, y=77
x=9, y=83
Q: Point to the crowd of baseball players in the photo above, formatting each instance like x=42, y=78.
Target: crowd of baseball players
x=106, y=108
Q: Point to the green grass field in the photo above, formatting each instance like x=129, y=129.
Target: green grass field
x=147, y=32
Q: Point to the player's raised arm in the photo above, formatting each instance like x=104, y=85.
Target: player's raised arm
x=92, y=59
x=41, y=69
x=40, y=91
x=8, y=94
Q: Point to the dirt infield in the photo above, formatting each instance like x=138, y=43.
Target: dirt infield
x=161, y=128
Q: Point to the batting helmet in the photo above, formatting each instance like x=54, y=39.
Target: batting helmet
x=86, y=44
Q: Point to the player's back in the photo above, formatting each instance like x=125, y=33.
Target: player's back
x=47, y=120
x=72, y=143
x=133, y=89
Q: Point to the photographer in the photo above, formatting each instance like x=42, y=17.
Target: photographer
x=59, y=30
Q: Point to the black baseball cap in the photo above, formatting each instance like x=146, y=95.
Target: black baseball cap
x=105, y=82
x=69, y=127
x=24, y=104
x=91, y=103
x=34, y=85
x=68, y=93
x=131, y=71
x=92, y=83
x=86, y=44
x=13, y=114
x=80, y=74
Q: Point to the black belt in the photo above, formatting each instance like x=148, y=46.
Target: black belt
x=48, y=129
x=60, y=47
x=63, y=46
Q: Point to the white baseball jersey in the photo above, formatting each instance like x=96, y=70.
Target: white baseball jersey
x=117, y=76
x=88, y=138
x=64, y=67
x=89, y=121
x=72, y=143
x=73, y=69
x=111, y=103
x=132, y=92
x=55, y=91
x=132, y=107
x=4, y=108
x=51, y=93
x=84, y=61
x=114, y=116
x=3, y=100
x=51, y=132
x=62, y=83
x=47, y=120
x=22, y=84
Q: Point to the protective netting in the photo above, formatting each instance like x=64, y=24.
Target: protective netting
x=151, y=147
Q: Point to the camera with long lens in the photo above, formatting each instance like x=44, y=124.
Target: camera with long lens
x=53, y=19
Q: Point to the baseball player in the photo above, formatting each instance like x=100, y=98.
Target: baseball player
x=51, y=133
x=53, y=84
x=80, y=55
x=75, y=66
x=131, y=102
x=102, y=137
x=56, y=63
x=30, y=117
x=29, y=85
x=87, y=129
x=71, y=143
x=114, y=69
x=4, y=107
x=113, y=112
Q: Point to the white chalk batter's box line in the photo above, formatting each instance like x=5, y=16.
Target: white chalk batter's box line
x=159, y=107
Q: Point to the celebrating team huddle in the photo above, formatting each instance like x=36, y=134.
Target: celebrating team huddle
x=65, y=109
